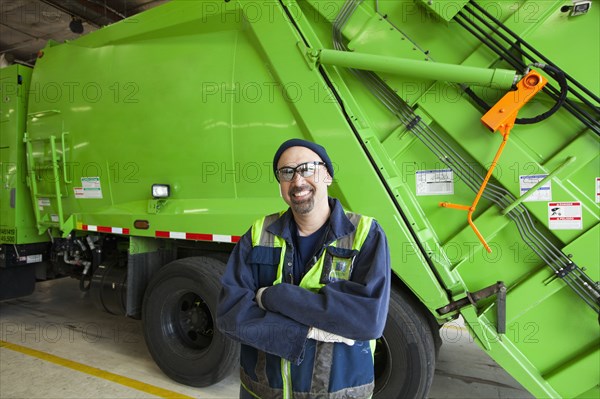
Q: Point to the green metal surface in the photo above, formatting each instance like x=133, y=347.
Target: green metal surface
x=538, y=315
x=199, y=95
x=538, y=185
x=17, y=222
x=445, y=10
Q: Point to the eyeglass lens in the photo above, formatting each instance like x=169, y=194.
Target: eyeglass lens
x=305, y=170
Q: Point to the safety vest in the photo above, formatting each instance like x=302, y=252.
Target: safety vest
x=335, y=263
x=339, y=267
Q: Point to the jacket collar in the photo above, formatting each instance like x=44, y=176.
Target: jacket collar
x=339, y=224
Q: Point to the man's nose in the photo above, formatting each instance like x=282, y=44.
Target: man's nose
x=297, y=179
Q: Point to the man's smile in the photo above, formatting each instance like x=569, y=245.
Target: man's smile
x=299, y=194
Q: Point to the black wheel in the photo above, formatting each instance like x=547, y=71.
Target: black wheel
x=179, y=322
x=405, y=355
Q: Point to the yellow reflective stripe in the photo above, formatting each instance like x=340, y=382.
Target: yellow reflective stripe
x=362, y=231
x=287, y=379
x=249, y=391
x=312, y=279
x=372, y=344
x=257, y=229
x=279, y=242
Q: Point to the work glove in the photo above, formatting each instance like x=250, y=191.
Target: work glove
x=324, y=336
x=258, y=297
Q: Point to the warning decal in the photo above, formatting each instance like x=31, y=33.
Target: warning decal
x=435, y=182
x=564, y=216
x=42, y=202
x=90, y=188
x=543, y=193
x=34, y=258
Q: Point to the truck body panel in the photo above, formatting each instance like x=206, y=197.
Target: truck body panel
x=18, y=223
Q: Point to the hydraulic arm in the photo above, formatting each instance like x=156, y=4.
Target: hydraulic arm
x=501, y=118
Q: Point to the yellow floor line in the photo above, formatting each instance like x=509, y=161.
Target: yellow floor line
x=451, y=327
x=119, y=379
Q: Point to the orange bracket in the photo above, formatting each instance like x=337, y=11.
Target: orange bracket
x=501, y=117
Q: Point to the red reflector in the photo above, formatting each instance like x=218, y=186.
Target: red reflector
x=200, y=237
x=141, y=224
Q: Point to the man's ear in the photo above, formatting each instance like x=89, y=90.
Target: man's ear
x=328, y=179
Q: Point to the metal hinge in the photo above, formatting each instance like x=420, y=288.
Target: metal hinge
x=498, y=289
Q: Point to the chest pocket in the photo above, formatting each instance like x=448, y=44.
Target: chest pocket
x=264, y=262
x=337, y=264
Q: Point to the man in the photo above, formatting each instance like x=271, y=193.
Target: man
x=306, y=291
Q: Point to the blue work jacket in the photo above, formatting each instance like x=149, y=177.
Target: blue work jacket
x=355, y=308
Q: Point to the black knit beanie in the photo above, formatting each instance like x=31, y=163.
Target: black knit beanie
x=316, y=148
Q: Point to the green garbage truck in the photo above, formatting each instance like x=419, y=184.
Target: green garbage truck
x=134, y=158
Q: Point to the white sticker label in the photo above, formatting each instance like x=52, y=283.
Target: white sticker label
x=598, y=189
x=54, y=218
x=435, y=182
x=90, y=188
x=34, y=258
x=42, y=202
x=565, y=216
x=543, y=193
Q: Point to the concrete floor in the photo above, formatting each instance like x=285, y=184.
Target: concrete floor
x=55, y=344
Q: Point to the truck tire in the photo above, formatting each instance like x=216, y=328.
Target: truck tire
x=405, y=355
x=178, y=316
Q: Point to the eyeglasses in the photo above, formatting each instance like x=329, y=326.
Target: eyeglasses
x=305, y=169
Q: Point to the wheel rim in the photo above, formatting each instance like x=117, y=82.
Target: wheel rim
x=192, y=321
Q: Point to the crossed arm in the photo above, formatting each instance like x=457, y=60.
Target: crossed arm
x=342, y=311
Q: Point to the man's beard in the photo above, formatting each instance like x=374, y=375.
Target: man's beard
x=302, y=207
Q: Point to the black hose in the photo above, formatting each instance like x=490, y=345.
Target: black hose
x=555, y=73
x=520, y=41
x=469, y=23
x=560, y=77
x=478, y=100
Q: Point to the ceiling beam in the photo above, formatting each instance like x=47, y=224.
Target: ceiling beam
x=61, y=7
x=102, y=9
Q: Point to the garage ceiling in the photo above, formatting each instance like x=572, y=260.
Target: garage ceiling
x=26, y=25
